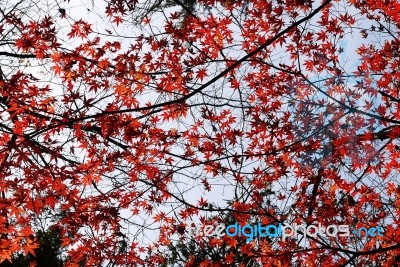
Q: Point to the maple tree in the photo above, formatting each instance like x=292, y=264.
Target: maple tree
x=118, y=132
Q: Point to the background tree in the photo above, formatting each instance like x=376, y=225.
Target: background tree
x=118, y=132
x=200, y=250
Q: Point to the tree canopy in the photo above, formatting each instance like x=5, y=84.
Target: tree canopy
x=124, y=121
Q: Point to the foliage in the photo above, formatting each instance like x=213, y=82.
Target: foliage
x=195, y=252
x=118, y=131
x=47, y=254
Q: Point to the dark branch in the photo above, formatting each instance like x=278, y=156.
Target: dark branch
x=8, y=54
